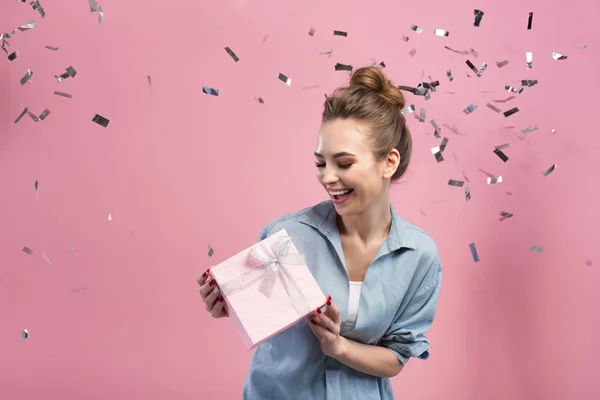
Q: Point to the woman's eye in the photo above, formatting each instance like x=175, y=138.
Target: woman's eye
x=320, y=165
x=345, y=166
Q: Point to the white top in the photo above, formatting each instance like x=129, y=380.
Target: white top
x=353, y=300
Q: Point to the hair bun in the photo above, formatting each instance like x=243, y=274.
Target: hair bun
x=373, y=79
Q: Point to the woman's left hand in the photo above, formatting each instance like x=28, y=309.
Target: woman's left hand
x=326, y=326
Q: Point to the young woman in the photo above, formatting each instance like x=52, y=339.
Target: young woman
x=383, y=275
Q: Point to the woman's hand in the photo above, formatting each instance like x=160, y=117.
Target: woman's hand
x=326, y=326
x=211, y=296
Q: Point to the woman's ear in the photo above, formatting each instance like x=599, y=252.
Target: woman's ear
x=391, y=163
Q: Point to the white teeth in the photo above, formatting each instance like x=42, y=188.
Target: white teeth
x=339, y=193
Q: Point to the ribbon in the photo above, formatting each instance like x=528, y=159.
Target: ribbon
x=271, y=263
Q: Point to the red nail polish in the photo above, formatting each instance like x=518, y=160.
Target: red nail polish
x=312, y=321
x=318, y=311
x=328, y=297
x=212, y=283
x=328, y=302
x=205, y=274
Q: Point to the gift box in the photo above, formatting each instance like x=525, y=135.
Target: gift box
x=267, y=288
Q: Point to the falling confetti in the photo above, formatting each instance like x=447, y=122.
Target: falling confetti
x=558, y=56
x=494, y=180
x=463, y=53
x=449, y=74
x=25, y=333
x=504, y=215
x=149, y=80
x=311, y=32
x=407, y=110
x=12, y=56
x=100, y=15
x=211, y=91
x=511, y=112
x=471, y=66
x=456, y=183
x=70, y=73
x=441, y=32
x=422, y=115
x=467, y=194
x=343, y=67
x=501, y=64
x=21, y=115
x=501, y=155
x=412, y=52
x=502, y=146
x=513, y=89
x=109, y=219
x=405, y=38
x=27, y=77
x=232, y=54
x=585, y=47
x=477, y=17
x=27, y=250
x=529, y=130
x=63, y=94
x=210, y=250
x=340, y=33
x=48, y=259
x=473, y=52
x=100, y=120
x=549, y=170
x=481, y=70
x=537, y=249
x=326, y=52
x=35, y=185
x=285, y=79
x=38, y=7
x=529, y=59
x=470, y=108
x=259, y=99
x=493, y=107
x=474, y=252
x=44, y=114
x=530, y=21
x=51, y=48
x=417, y=29
x=436, y=129
x=93, y=5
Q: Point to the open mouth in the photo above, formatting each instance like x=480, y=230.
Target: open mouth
x=341, y=194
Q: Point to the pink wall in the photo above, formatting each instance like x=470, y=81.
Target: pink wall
x=119, y=316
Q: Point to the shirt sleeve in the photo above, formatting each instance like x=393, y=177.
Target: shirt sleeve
x=406, y=336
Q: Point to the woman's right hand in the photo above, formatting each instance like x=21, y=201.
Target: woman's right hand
x=211, y=296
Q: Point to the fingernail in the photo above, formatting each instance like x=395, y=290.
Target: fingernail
x=205, y=274
x=312, y=321
x=212, y=283
x=328, y=297
x=328, y=302
x=318, y=311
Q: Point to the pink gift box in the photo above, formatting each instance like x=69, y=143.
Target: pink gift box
x=267, y=288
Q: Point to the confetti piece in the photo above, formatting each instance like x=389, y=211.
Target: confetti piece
x=44, y=114
x=21, y=115
x=149, y=80
x=343, y=67
x=558, y=56
x=529, y=130
x=473, y=52
x=529, y=82
x=529, y=59
x=210, y=251
x=27, y=77
x=456, y=183
x=492, y=181
x=467, y=194
x=493, y=107
x=502, y=146
x=259, y=99
x=437, y=153
x=501, y=64
x=100, y=15
x=474, y=252
x=405, y=38
x=311, y=32
x=437, y=130
x=48, y=259
x=511, y=112
x=422, y=115
x=51, y=48
x=70, y=73
x=38, y=7
x=340, y=33
x=552, y=132
x=505, y=100
x=549, y=170
x=33, y=116
x=504, y=215
x=407, y=110
x=537, y=249
x=501, y=155
x=481, y=70
x=232, y=54
x=27, y=250
x=471, y=66
x=285, y=79
x=326, y=52
x=513, y=89
x=25, y=333
x=93, y=5
x=585, y=47
x=412, y=52
x=211, y=91
x=109, y=219
x=417, y=29
x=100, y=120
x=12, y=56
x=464, y=53
x=63, y=94
x=449, y=75
x=478, y=16
x=530, y=21
x=470, y=108
x=35, y=185
x=441, y=32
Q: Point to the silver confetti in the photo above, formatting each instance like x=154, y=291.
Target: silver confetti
x=412, y=52
x=552, y=132
x=210, y=91
x=502, y=146
x=149, y=80
x=473, y=52
x=463, y=53
x=453, y=182
x=311, y=32
x=38, y=7
x=27, y=77
x=25, y=333
x=585, y=47
x=259, y=99
x=100, y=120
x=477, y=17
x=471, y=66
x=467, y=194
x=529, y=59
x=530, y=20
x=437, y=130
x=109, y=219
x=549, y=170
x=343, y=67
x=437, y=153
x=63, y=94
x=481, y=70
x=537, y=249
x=449, y=74
x=100, y=15
x=492, y=181
x=529, y=82
x=422, y=115
x=504, y=215
x=285, y=79
x=470, y=108
x=210, y=251
x=340, y=33
x=12, y=56
x=21, y=115
x=474, y=252
x=70, y=73
x=93, y=5
x=493, y=107
x=441, y=32
x=505, y=100
x=27, y=250
x=501, y=155
x=407, y=110
x=326, y=52
x=48, y=259
x=405, y=38
x=51, y=48
x=501, y=64
x=33, y=116
x=35, y=185
x=511, y=112
x=529, y=130
x=443, y=144
x=558, y=56
x=513, y=89
x=232, y=54
x=416, y=28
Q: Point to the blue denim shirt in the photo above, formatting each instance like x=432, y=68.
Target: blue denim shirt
x=397, y=305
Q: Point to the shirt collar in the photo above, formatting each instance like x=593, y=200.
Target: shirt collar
x=323, y=215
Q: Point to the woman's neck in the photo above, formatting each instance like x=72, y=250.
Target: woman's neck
x=371, y=225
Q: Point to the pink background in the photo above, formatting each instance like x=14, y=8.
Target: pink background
x=119, y=316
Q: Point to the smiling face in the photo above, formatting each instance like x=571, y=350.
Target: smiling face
x=347, y=168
